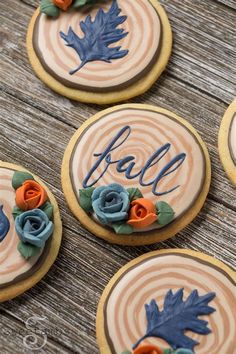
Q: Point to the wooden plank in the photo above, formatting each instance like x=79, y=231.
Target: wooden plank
x=78, y=276
x=172, y=92
x=198, y=84
x=229, y=3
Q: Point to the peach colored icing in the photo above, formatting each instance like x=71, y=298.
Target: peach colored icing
x=232, y=138
x=12, y=264
x=143, y=25
x=125, y=318
x=149, y=131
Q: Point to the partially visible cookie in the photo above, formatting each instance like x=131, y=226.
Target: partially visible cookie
x=227, y=142
x=136, y=174
x=103, y=52
x=30, y=230
x=166, y=302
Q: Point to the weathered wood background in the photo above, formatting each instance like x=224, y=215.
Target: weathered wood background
x=35, y=127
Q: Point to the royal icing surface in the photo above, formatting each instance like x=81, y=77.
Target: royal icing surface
x=124, y=311
x=142, y=43
x=232, y=139
x=166, y=159
x=12, y=264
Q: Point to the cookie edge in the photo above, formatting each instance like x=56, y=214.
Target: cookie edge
x=223, y=143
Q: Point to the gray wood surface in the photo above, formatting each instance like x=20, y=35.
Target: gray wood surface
x=35, y=127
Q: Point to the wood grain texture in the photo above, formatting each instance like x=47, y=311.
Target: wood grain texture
x=35, y=127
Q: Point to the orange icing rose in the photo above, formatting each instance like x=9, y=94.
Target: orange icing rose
x=30, y=195
x=142, y=213
x=148, y=349
x=62, y=4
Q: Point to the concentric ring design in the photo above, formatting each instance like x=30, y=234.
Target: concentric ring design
x=124, y=311
x=142, y=42
x=12, y=264
x=149, y=131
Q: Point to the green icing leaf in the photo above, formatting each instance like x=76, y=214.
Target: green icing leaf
x=85, y=199
x=19, y=178
x=165, y=213
x=48, y=209
x=134, y=193
x=126, y=352
x=79, y=3
x=27, y=250
x=124, y=228
x=48, y=8
x=16, y=211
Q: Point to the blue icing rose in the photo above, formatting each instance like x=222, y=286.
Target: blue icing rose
x=110, y=203
x=34, y=227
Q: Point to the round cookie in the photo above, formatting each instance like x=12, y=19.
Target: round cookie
x=178, y=300
x=115, y=54
x=227, y=142
x=136, y=174
x=30, y=230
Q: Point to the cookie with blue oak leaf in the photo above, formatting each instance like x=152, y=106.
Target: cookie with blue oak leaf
x=169, y=302
x=99, y=51
x=30, y=230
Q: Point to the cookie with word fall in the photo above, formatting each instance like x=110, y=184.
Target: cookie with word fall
x=227, y=142
x=136, y=174
x=169, y=302
x=100, y=51
x=30, y=230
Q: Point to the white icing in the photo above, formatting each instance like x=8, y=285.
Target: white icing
x=12, y=264
x=125, y=311
x=149, y=131
x=142, y=43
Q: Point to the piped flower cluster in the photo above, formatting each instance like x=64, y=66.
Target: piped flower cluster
x=33, y=214
x=52, y=8
x=125, y=210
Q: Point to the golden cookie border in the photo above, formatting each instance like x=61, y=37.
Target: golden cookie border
x=223, y=143
x=135, y=89
x=11, y=291
x=133, y=239
x=100, y=331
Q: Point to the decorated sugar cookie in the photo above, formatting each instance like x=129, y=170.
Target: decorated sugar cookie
x=169, y=302
x=227, y=142
x=135, y=174
x=30, y=230
x=100, y=51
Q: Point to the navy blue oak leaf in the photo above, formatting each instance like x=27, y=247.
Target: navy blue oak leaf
x=177, y=317
x=98, y=35
x=4, y=224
